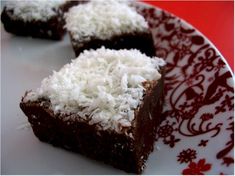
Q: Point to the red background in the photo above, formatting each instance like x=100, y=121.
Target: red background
x=215, y=19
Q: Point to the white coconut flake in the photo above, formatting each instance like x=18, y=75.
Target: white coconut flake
x=24, y=126
x=103, y=19
x=29, y=10
x=103, y=86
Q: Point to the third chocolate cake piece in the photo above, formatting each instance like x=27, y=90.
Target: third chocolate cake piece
x=36, y=18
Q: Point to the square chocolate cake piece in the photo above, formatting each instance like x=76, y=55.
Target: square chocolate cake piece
x=36, y=18
x=112, y=24
x=106, y=104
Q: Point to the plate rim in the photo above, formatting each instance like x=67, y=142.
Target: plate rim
x=197, y=31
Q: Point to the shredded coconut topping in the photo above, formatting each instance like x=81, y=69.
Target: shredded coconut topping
x=103, y=86
x=29, y=10
x=103, y=20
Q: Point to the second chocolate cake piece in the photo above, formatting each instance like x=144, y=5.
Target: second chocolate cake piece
x=106, y=104
x=36, y=18
x=115, y=25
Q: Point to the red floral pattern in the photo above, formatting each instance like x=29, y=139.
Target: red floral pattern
x=171, y=141
x=187, y=155
x=203, y=143
x=227, y=104
x=199, y=91
x=197, y=168
x=229, y=146
x=228, y=160
x=165, y=131
x=206, y=116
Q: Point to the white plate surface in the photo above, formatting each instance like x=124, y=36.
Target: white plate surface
x=195, y=138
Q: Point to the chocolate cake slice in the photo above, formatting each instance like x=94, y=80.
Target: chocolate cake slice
x=37, y=18
x=113, y=24
x=106, y=104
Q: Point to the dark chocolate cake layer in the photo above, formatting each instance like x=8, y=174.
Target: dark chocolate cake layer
x=53, y=28
x=139, y=40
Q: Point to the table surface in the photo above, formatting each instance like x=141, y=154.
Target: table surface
x=215, y=19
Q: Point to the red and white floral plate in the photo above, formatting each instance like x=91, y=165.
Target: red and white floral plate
x=196, y=137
